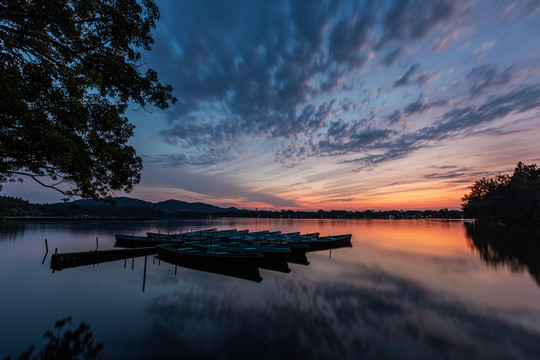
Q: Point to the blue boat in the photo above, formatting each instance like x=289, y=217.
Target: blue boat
x=210, y=256
x=269, y=251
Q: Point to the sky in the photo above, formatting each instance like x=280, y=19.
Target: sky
x=353, y=105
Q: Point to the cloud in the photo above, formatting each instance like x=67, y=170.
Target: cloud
x=406, y=78
x=349, y=36
x=179, y=160
x=395, y=117
x=251, y=70
x=174, y=173
x=487, y=76
x=454, y=173
x=457, y=122
x=484, y=46
x=391, y=57
x=414, y=76
x=442, y=43
x=422, y=105
x=416, y=19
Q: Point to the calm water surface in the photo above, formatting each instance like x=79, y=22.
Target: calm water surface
x=405, y=290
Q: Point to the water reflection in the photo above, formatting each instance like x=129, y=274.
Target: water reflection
x=243, y=272
x=371, y=315
x=9, y=231
x=518, y=250
x=407, y=289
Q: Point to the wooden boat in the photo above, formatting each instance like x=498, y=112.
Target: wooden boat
x=278, y=237
x=210, y=256
x=130, y=241
x=328, y=242
x=314, y=242
x=180, y=235
x=269, y=251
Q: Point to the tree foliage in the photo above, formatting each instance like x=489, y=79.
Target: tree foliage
x=507, y=200
x=69, y=70
x=66, y=344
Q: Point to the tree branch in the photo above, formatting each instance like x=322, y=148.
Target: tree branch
x=34, y=177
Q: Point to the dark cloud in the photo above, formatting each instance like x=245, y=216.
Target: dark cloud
x=455, y=174
x=343, y=138
x=256, y=70
x=395, y=117
x=457, y=122
x=414, y=76
x=495, y=107
x=487, y=76
x=408, y=77
x=391, y=57
x=350, y=35
x=350, y=138
x=179, y=160
x=406, y=19
x=251, y=68
x=422, y=105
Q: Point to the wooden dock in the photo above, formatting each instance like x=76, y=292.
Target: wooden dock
x=61, y=261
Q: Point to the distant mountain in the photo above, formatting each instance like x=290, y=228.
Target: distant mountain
x=167, y=206
x=178, y=206
x=120, y=201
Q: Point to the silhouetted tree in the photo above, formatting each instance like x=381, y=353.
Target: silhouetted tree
x=69, y=69
x=68, y=344
x=507, y=200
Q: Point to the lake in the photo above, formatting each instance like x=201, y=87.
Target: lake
x=406, y=289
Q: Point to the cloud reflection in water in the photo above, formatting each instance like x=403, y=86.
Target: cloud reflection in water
x=369, y=314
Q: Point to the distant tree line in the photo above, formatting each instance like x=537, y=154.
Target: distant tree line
x=505, y=199
x=12, y=206
x=19, y=207
x=345, y=214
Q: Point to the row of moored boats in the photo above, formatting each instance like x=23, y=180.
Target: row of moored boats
x=233, y=247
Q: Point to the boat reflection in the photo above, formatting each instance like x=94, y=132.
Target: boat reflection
x=250, y=273
x=298, y=255
x=517, y=249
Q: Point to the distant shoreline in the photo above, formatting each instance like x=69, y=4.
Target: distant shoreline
x=68, y=218
x=209, y=217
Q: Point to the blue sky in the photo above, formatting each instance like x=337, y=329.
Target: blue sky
x=337, y=104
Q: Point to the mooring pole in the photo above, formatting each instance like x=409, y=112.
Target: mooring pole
x=97, y=243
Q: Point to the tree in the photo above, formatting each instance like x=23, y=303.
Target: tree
x=509, y=200
x=69, y=70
